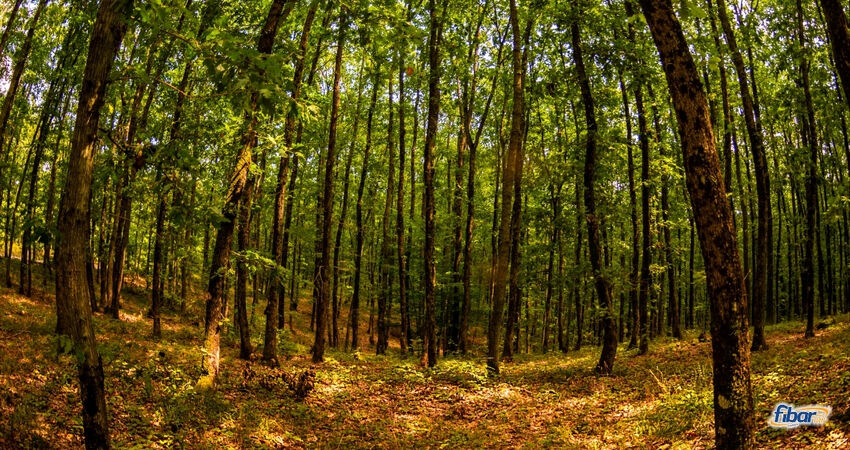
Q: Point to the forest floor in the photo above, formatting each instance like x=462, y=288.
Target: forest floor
x=662, y=400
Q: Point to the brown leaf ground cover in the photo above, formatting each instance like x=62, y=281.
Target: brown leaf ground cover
x=662, y=400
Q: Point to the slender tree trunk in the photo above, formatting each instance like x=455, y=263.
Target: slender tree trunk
x=354, y=312
x=224, y=236
x=634, y=273
x=733, y=400
x=157, y=291
x=839, y=39
x=765, y=222
x=282, y=209
x=10, y=23
x=603, y=288
x=243, y=242
x=430, y=273
x=342, y=216
x=645, y=280
x=327, y=201
x=385, y=294
x=399, y=223
x=509, y=175
x=810, y=239
x=21, y=57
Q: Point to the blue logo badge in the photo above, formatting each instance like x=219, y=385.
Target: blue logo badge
x=788, y=416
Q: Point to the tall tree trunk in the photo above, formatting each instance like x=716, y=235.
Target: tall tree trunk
x=645, y=282
x=10, y=23
x=809, y=241
x=385, y=294
x=399, y=221
x=354, y=312
x=326, y=206
x=672, y=294
x=763, y=250
x=243, y=242
x=430, y=273
x=282, y=211
x=603, y=288
x=21, y=57
x=509, y=175
x=839, y=39
x=634, y=273
x=73, y=308
x=224, y=236
x=342, y=215
x=733, y=400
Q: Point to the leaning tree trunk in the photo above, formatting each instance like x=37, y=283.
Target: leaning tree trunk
x=10, y=23
x=733, y=399
x=224, y=236
x=839, y=39
x=73, y=307
x=21, y=57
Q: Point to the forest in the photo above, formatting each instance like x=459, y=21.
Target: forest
x=424, y=224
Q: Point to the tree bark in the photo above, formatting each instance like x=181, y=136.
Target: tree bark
x=72, y=296
x=326, y=206
x=21, y=57
x=509, y=174
x=839, y=39
x=430, y=270
x=733, y=400
x=385, y=294
x=354, y=312
x=10, y=23
x=603, y=288
x=274, y=311
x=224, y=235
x=764, y=249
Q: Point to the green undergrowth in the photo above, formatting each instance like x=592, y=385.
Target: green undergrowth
x=663, y=399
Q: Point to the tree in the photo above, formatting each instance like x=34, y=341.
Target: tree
x=765, y=217
x=73, y=306
x=273, y=309
x=839, y=39
x=733, y=398
x=603, y=289
x=327, y=200
x=509, y=176
x=235, y=190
